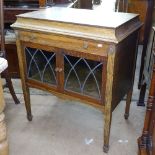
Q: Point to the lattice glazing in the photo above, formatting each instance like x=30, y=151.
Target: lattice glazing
x=41, y=65
x=83, y=76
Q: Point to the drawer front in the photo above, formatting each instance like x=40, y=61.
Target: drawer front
x=84, y=46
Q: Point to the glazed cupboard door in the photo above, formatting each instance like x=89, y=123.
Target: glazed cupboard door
x=70, y=72
x=84, y=77
x=40, y=64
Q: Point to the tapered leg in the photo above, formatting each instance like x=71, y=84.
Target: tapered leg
x=25, y=87
x=128, y=102
x=129, y=94
x=108, y=98
x=10, y=86
x=107, y=126
x=27, y=102
x=26, y=93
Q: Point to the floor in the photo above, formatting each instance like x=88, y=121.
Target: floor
x=66, y=127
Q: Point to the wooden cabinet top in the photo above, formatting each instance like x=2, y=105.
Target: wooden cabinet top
x=92, y=24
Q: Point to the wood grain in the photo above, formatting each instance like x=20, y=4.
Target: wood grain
x=113, y=45
x=23, y=79
x=108, y=97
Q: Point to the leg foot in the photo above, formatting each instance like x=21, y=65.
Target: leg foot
x=126, y=116
x=16, y=101
x=107, y=126
x=105, y=148
x=29, y=117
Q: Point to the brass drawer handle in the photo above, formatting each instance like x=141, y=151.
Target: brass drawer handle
x=58, y=69
x=32, y=37
x=85, y=45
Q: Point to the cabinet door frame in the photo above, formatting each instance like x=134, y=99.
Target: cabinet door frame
x=59, y=56
x=91, y=57
x=36, y=83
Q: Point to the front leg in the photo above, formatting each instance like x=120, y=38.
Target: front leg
x=107, y=126
x=108, y=98
x=26, y=92
x=23, y=75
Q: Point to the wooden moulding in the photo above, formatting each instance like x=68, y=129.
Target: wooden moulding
x=65, y=42
x=69, y=22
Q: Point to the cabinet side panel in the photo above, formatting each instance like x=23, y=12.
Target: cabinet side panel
x=125, y=59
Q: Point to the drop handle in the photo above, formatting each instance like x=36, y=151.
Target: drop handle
x=57, y=69
x=85, y=45
x=60, y=70
x=32, y=37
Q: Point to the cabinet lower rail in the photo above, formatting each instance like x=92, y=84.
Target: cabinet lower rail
x=67, y=95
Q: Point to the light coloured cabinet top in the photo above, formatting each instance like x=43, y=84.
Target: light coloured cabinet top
x=92, y=24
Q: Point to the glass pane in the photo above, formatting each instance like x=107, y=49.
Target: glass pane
x=41, y=65
x=83, y=76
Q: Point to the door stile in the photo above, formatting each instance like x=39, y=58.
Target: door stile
x=104, y=80
x=60, y=70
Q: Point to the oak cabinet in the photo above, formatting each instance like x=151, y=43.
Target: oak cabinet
x=87, y=59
